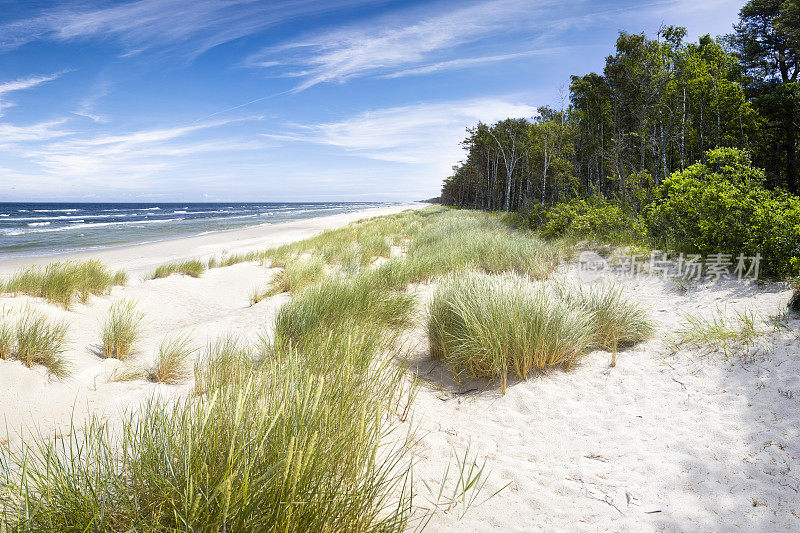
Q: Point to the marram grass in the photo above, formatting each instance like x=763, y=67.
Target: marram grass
x=284, y=448
x=618, y=321
x=193, y=268
x=63, y=283
x=172, y=362
x=489, y=326
x=297, y=275
x=336, y=304
x=122, y=329
x=33, y=338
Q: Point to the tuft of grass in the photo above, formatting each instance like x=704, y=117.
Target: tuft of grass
x=122, y=329
x=63, y=283
x=6, y=335
x=193, y=268
x=213, y=262
x=297, y=275
x=340, y=304
x=718, y=333
x=172, y=360
x=39, y=340
x=492, y=325
x=618, y=321
x=127, y=373
x=283, y=449
x=229, y=359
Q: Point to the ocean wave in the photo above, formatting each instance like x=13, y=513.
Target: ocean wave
x=38, y=223
x=68, y=217
x=179, y=212
x=55, y=210
x=90, y=225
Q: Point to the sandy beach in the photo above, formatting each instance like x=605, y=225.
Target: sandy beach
x=662, y=442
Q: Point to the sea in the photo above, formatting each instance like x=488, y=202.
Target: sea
x=42, y=229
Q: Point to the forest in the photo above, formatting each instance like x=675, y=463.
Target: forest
x=720, y=112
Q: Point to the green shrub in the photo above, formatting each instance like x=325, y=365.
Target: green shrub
x=722, y=207
x=585, y=219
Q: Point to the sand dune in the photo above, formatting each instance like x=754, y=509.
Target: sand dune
x=663, y=441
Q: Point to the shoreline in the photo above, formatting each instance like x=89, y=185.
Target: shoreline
x=141, y=257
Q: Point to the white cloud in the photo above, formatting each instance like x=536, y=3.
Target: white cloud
x=41, y=131
x=145, y=24
x=20, y=85
x=131, y=160
x=454, y=64
x=392, y=45
x=423, y=134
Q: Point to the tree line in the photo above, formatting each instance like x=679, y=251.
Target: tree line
x=659, y=105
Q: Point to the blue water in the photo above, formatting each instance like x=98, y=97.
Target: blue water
x=38, y=229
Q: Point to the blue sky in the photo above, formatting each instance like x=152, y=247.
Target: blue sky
x=236, y=100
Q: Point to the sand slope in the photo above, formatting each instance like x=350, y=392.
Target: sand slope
x=663, y=441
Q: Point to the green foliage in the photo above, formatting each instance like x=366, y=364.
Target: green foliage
x=592, y=219
x=722, y=206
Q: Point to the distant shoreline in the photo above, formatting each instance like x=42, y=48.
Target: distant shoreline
x=137, y=258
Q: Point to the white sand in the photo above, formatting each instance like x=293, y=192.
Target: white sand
x=662, y=441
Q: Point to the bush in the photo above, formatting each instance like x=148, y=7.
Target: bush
x=592, y=219
x=722, y=207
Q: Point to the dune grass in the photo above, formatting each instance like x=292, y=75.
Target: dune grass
x=720, y=332
x=33, y=338
x=617, y=321
x=340, y=304
x=282, y=449
x=171, y=365
x=491, y=325
x=63, y=283
x=193, y=268
x=121, y=330
x=228, y=359
x=296, y=275
x=6, y=335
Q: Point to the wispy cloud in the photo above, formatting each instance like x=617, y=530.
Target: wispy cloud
x=396, y=44
x=145, y=24
x=423, y=134
x=39, y=132
x=455, y=64
x=135, y=159
x=20, y=85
